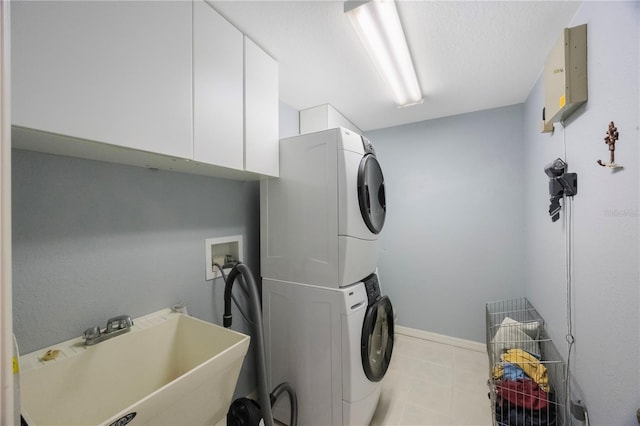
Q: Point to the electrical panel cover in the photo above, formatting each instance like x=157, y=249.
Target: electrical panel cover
x=565, y=75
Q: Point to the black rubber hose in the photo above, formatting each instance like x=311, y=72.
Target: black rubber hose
x=254, y=304
x=277, y=392
x=233, y=296
x=226, y=317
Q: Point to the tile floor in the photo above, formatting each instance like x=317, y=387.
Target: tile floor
x=430, y=383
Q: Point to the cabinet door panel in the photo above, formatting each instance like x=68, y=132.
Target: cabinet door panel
x=218, y=89
x=261, y=111
x=117, y=72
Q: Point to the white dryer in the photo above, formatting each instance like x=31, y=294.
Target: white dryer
x=333, y=345
x=320, y=220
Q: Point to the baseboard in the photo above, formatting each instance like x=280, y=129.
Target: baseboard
x=441, y=338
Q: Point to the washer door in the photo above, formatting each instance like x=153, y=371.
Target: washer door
x=373, y=204
x=377, y=339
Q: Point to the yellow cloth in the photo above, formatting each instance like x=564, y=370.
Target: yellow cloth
x=498, y=372
x=529, y=364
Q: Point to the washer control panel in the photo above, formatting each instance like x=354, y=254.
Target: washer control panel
x=372, y=285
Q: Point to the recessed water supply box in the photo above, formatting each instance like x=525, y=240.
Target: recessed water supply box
x=565, y=75
x=223, y=251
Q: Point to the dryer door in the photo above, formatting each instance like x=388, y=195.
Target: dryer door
x=371, y=195
x=377, y=339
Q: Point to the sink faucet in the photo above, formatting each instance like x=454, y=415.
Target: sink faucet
x=115, y=327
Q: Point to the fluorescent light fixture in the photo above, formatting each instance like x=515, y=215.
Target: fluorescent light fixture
x=378, y=26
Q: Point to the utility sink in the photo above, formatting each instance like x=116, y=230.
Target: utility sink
x=170, y=369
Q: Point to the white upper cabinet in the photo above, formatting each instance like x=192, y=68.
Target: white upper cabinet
x=172, y=80
x=112, y=72
x=261, y=138
x=217, y=89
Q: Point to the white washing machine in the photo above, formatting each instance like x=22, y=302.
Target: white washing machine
x=320, y=220
x=333, y=345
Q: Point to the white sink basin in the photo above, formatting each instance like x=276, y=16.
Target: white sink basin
x=170, y=369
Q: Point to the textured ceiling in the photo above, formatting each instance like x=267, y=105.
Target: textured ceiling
x=469, y=55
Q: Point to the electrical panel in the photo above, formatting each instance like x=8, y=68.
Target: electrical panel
x=565, y=76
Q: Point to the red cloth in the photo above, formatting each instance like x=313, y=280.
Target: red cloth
x=524, y=393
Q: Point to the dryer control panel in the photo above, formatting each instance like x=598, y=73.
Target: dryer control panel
x=368, y=146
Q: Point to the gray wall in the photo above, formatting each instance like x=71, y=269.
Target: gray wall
x=453, y=237
x=92, y=240
x=605, y=219
x=289, y=121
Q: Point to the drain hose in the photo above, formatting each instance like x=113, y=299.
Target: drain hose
x=278, y=391
x=254, y=305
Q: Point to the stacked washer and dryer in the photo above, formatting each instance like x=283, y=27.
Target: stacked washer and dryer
x=328, y=329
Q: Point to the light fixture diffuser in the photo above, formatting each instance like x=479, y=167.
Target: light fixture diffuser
x=378, y=26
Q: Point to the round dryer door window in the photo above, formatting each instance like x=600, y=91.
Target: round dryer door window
x=377, y=339
x=371, y=196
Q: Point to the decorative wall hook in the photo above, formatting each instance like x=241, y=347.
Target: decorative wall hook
x=610, y=139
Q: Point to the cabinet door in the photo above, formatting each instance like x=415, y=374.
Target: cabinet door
x=217, y=89
x=261, y=141
x=117, y=72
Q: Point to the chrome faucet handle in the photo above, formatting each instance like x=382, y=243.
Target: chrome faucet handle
x=121, y=322
x=91, y=333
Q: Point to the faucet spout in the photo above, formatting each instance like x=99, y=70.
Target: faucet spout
x=115, y=327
